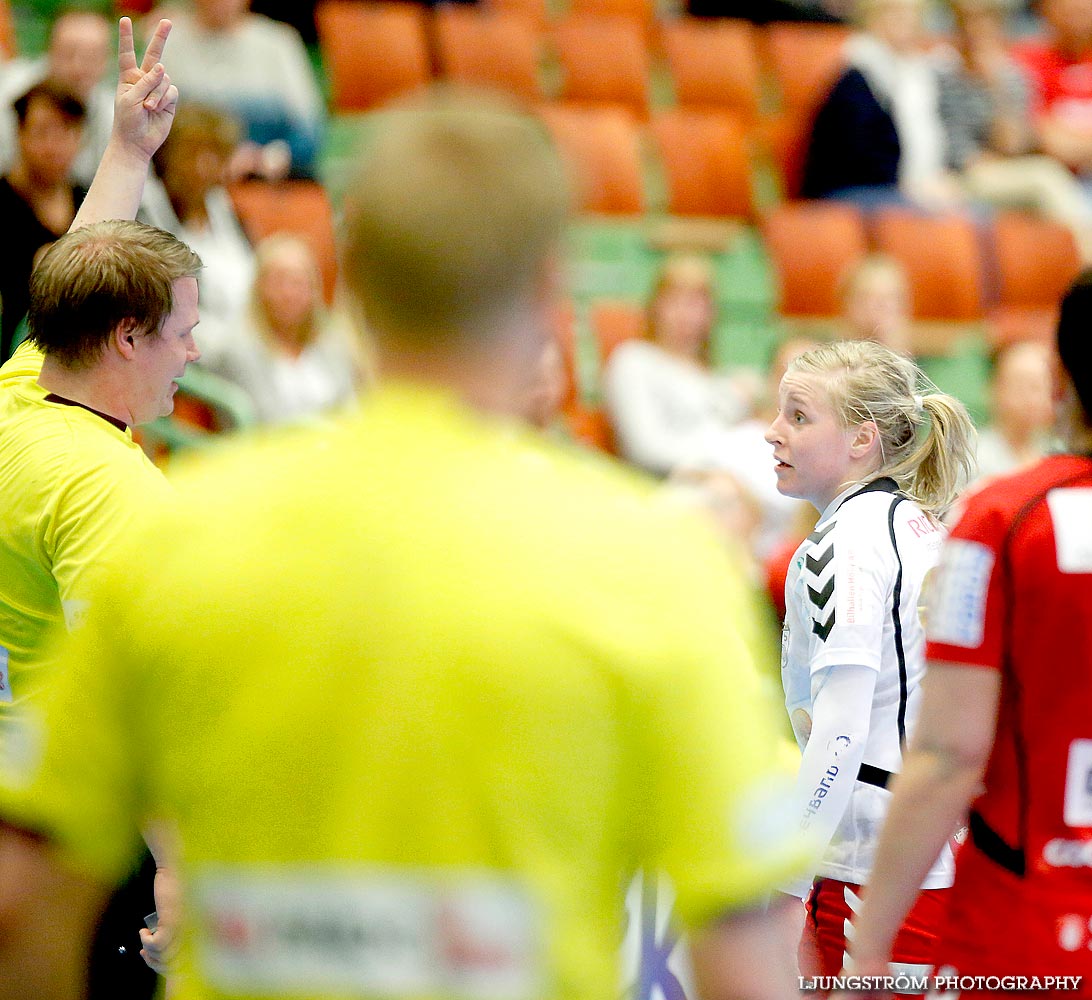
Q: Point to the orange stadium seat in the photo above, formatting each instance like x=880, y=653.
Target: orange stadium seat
x=604, y=61
x=300, y=207
x=942, y=258
x=811, y=245
x=602, y=148
x=1037, y=261
x=495, y=49
x=535, y=12
x=641, y=11
x=372, y=51
x=714, y=65
x=614, y=323
x=8, y=47
x=706, y=158
x=804, y=59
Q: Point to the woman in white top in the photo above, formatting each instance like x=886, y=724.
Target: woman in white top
x=667, y=407
x=293, y=359
x=880, y=462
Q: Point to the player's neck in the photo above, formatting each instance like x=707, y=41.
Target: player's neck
x=93, y=387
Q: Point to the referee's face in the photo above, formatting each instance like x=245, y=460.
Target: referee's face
x=162, y=357
x=811, y=447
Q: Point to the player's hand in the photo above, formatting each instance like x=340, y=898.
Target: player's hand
x=146, y=99
x=159, y=947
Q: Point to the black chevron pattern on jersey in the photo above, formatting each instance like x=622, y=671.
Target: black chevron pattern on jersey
x=817, y=565
x=823, y=630
x=820, y=598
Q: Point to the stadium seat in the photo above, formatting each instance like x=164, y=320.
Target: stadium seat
x=9, y=48
x=714, y=65
x=811, y=245
x=706, y=159
x=534, y=12
x=604, y=61
x=602, y=148
x=641, y=11
x=1037, y=261
x=372, y=51
x=614, y=323
x=496, y=49
x=804, y=60
x=300, y=207
x=942, y=258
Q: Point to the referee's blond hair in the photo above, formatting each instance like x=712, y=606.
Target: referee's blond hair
x=450, y=219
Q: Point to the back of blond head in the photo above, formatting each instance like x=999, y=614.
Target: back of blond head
x=451, y=218
x=927, y=438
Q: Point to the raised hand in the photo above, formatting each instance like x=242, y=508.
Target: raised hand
x=146, y=99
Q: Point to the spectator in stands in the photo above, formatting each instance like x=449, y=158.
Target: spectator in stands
x=877, y=137
x=291, y=357
x=989, y=131
x=1060, y=69
x=1021, y=410
x=192, y=202
x=746, y=456
x=665, y=403
x=256, y=68
x=37, y=200
x=77, y=59
x=875, y=294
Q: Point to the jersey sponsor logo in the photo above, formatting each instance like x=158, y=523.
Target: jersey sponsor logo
x=75, y=614
x=384, y=932
x=5, y=680
x=1061, y=853
x=1078, y=785
x=1071, y=515
x=957, y=604
x=923, y=526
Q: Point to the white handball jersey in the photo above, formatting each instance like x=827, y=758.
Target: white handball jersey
x=852, y=598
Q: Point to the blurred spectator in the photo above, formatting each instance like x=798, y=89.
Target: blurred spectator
x=78, y=58
x=191, y=202
x=300, y=14
x=765, y=11
x=37, y=200
x=877, y=137
x=291, y=358
x=1061, y=70
x=748, y=457
x=1021, y=410
x=875, y=294
x=666, y=405
x=989, y=131
x=256, y=68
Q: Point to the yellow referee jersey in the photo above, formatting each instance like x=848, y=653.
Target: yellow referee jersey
x=419, y=692
x=72, y=483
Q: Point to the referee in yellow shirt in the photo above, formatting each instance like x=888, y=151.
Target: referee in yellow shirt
x=418, y=692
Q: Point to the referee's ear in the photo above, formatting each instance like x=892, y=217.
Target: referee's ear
x=123, y=337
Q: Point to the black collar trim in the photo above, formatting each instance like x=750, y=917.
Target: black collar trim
x=121, y=425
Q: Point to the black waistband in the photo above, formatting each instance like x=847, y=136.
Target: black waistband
x=991, y=843
x=874, y=775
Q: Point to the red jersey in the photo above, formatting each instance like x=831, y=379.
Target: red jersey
x=1014, y=594
x=1062, y=85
